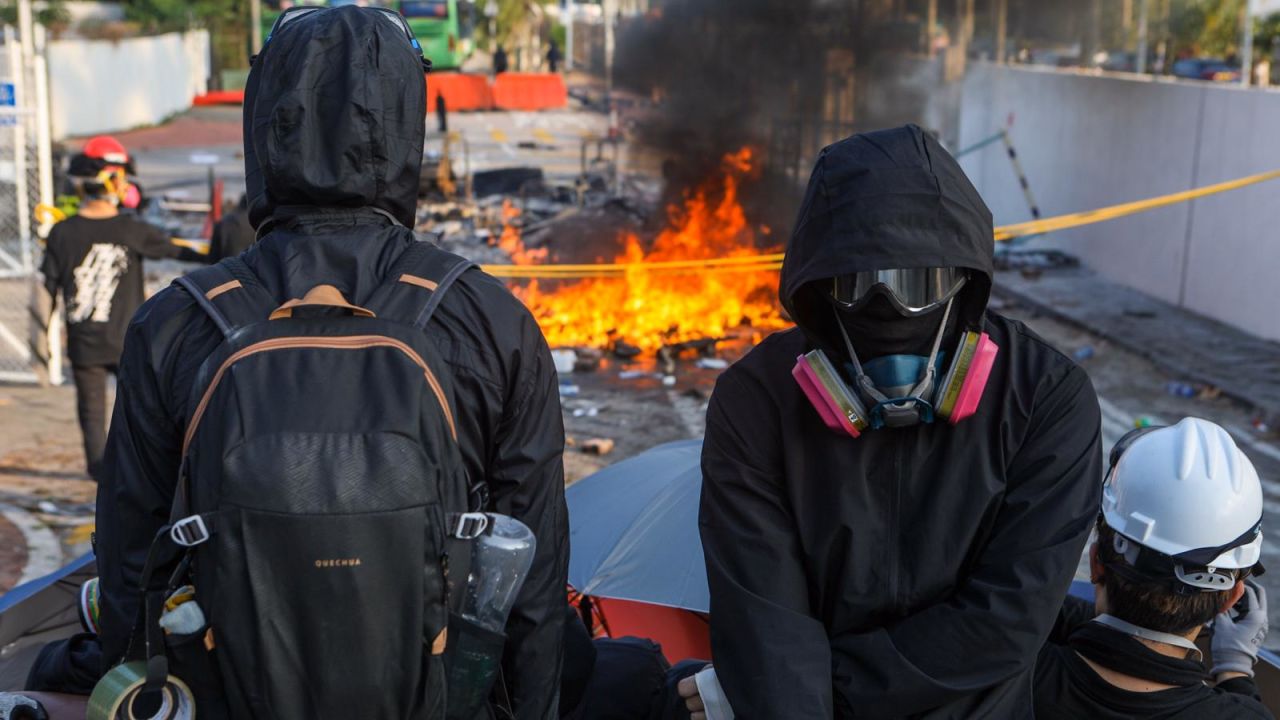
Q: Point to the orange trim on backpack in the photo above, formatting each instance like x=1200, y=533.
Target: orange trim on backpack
x=224, y=287
x=351, y=342
x=319, y=296
x=419, y=281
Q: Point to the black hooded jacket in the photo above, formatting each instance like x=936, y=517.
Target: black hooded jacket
x=911, y=572
x=334, y=125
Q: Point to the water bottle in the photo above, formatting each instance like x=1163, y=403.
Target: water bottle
x=500, y=560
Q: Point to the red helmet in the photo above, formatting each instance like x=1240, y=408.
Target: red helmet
x=107, y=149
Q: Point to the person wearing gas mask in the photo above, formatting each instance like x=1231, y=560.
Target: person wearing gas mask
x=1179, y=536
x=896, y=492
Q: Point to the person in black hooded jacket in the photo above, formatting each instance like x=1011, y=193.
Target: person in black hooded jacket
x=913, y=571
x=334, y=123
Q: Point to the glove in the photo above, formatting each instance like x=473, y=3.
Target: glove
x=1236, y=641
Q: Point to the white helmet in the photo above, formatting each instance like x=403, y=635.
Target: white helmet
x=1186, y=492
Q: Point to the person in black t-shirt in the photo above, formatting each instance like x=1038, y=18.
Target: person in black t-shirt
x=94, y=259
x=1180, y=532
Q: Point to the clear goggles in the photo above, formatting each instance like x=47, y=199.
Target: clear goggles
x=298, y=12
x=912, y=291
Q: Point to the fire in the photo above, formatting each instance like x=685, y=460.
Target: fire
x=650, y=309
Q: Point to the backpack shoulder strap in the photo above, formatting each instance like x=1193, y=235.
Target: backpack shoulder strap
x=417, y=283
x=230, y=294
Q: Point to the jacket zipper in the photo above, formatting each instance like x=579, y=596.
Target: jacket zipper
x=350, y=342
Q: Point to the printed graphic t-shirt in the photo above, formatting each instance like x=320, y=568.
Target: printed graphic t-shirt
x=97, y=265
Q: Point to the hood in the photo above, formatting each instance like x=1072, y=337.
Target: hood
x=335, y=116
x=883, y=200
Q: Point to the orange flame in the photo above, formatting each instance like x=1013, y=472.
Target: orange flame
x=650, y=310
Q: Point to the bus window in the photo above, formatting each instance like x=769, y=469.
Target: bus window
x=425, y=8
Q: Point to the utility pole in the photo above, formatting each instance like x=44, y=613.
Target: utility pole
x=610, y=17
x=931, y=24
x=1002, y=29
x=568, y=33
x=1141, y=62
x=255, y=26
x=491, y=12
x=1246, y=46
x=1093, y=30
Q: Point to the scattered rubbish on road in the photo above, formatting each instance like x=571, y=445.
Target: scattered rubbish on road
x=1181, y=389
x=669, y=380
x=1083, y=353
x=625, y=350
x=586, y=412
x=569, y=390
x=636, y=375
x=597, y=446
x=565, y=361
x=1034, y=260
x=1143, y=421
x=712, y=363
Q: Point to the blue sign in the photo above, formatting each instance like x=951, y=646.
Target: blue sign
x=8, y=99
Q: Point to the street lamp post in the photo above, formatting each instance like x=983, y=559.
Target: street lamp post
x=255, y=25
x=1141, y=62
x=568, y=34
x=491, y=12
x=1246, y=46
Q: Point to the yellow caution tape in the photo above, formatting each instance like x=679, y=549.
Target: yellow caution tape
x=1089, y=217
x=773, y=261
x=200, y=246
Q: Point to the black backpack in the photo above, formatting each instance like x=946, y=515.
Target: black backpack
x=320, y=487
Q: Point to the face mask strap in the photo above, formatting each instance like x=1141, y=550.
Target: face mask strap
x=922, y=388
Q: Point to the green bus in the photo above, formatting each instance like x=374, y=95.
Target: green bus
x=446, y=29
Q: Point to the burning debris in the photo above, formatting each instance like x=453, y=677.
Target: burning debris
x=646, y=310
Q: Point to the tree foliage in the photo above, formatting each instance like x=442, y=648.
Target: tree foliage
x=226, y=20
x=1206, y=28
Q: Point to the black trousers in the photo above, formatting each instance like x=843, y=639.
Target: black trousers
x=91, y=407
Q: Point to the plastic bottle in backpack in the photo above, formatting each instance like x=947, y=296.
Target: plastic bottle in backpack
x=500, y=560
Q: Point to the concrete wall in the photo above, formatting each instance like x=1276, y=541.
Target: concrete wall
x=104, y=86
x=1086, y=142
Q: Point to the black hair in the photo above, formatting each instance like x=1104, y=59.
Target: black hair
x=1157, y=603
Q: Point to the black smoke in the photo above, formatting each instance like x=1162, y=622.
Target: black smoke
x=729, y=73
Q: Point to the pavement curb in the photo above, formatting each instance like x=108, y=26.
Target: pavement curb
x=44, y=552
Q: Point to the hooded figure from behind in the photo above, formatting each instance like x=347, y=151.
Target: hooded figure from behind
x=912, y=571
x=334, y=121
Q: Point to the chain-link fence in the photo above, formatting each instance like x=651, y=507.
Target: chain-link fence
x=25, y=183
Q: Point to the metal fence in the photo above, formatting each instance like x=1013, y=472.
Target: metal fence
x=26, y=180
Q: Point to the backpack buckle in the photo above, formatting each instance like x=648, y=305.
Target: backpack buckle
x=190, y=531
x=470, y=525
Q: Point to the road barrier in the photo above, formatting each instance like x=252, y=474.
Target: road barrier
x=461, y=92
x=773, y=261
x=529, y=91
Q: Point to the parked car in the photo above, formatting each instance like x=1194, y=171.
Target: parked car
x=1206, y=69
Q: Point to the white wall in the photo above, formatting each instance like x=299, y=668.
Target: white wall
x=1088, y=141
x=104, y=86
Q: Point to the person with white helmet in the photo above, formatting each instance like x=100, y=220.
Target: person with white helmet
x=1179, y=535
